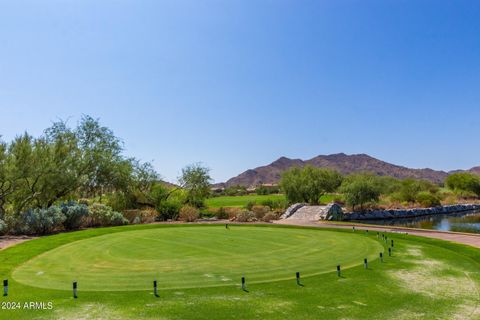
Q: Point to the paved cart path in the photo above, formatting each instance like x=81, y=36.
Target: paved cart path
x=465, y=238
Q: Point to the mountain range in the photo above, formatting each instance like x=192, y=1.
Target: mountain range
x=345, y=164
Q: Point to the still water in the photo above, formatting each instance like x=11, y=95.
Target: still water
x=459, y=222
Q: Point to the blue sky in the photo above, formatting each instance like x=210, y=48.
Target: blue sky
x=237, y=84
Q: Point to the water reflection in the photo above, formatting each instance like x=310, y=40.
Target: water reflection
x=459, y=222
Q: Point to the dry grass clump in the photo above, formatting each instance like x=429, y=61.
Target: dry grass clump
x=188, y=214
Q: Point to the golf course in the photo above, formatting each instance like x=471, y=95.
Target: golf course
x=199, y=267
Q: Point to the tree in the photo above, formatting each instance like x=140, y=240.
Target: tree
x=309, y=184
x=464, y=181
x=65, y=163
x=359, y=189
x=410, y=188
x=196, y=180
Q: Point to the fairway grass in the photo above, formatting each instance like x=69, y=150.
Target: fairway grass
x=198, y=268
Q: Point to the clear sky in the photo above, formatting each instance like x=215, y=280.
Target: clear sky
x=237, y=84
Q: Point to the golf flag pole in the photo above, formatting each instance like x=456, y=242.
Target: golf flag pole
x=155, y=288
x=5, y=287
x=75, y=289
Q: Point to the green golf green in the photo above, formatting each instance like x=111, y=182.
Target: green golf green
x=188, y=257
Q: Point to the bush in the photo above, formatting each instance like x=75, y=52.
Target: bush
x=222, y=213
x=246, y=216
x=264, y=190
x=102, y=215
x=74, y=214
x=42, y=221
x=427, y=200
x=168, y=210
x=270, y=216
x=233, y=212
x=3, y=227
x=137, y=216
x=249, y=205
x=360, y=189
x=207, y=214
x=188, y=214
x=260, y=211
x=464, y=181
x=14, y=223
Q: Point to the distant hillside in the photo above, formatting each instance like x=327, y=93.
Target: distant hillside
x=342, y=162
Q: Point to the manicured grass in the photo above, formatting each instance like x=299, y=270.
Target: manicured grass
x=198, y=268
x=241, y=201
x=193, y=257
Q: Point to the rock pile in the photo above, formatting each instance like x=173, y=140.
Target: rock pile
x=409, y=213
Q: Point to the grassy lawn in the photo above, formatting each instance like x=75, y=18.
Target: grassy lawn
x=241, y=201
x=198, y=268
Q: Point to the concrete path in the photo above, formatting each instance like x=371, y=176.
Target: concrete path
x=464, y=238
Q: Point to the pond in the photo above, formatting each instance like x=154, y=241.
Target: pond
x=459, y=222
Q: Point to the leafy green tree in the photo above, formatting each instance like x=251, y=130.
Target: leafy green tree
x=359, y=189
x=427, y=199
x=65, y=163
x=309, y=184
x=196, y=180
x=410, y=188
x=464, y=181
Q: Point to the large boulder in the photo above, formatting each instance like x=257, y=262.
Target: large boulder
x=291, y=210
x=333, y=212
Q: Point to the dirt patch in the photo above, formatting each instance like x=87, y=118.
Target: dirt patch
x=428, y=278
x=8, y=241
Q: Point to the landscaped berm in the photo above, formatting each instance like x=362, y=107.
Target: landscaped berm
x=198, y=269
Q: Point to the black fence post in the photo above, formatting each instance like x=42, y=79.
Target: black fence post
x=5, y=287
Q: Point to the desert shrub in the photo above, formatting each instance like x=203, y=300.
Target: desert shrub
x=249, y=205
x=260, y=211
x=74, y=214
x=233, y=212
x=103, y=215
x=3, y=227
x=267, y=202
x=264, y=190
x=236, y=191
x=279, y=204
x=464, y=182
x=120, y=201
x=41, y=221
x=222, y=213
x=427, y=200
x=188, y=213
x=85, y=201
x=465, y=194
x=168, y=210
x=246, y=216
x=140, y=216
x=270, y=216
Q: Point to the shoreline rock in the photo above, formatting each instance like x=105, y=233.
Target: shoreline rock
x=409, y=213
